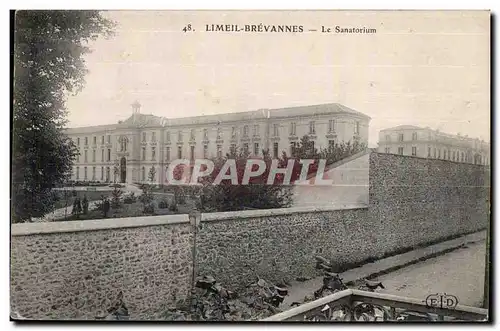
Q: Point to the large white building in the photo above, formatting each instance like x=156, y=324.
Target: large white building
x=428, y=143
x=145, y=141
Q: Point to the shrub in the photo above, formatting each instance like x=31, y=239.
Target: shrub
x=173, y=207
x=149, y=208
x=130, y=198
x=163, y=204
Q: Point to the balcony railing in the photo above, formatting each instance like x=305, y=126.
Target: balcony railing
x=356, y=305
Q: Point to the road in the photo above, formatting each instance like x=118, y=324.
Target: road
x=460, y=272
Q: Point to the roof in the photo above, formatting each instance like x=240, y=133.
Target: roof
x=327, y=108
x=404, y=127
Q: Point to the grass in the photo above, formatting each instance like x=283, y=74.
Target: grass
x=134, y=209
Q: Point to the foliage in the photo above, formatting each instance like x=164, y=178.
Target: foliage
x=116, y=195
x=146, y=197
x=226, y=196
x=85, y=205
x=48, y=63
x=129, y=198
x=163, y=204
x=173, y=207
x=210, y=301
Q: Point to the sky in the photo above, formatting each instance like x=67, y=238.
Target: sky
x=428, y=69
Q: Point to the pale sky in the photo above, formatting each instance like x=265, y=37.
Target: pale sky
x=420, y=68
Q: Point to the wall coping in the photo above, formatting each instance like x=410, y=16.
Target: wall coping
x=24, y=229
x=232, y=215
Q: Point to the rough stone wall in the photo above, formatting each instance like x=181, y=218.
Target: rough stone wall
x=75, y=275
x=412, y=199
x=282, y=246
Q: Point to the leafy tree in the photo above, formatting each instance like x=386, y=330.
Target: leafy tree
x=256, y=195
x=48, y=63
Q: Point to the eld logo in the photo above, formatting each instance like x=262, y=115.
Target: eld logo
x=441, y=300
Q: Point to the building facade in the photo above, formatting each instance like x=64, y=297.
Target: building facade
x=143, y=142
x=428, y=143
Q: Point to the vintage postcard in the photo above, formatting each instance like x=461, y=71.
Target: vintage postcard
x=251, y=166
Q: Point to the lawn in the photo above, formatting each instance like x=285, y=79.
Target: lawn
x=133, y=209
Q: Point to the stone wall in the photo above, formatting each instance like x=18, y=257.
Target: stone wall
x=74, y=270
x=412, y=199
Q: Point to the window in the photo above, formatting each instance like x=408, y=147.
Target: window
x=102, y=155
x=356, y=128
x=192, y=152
x=256, y=148
x=167, y=136
x=153, y=153
x=331, y=144
x=78, y=141
x=331, y=125
x=109, y=139
x=205, y=151
x=109, y=154
x=179, y=152
x=387, y=137
x=449, y=154
x=245, y=131
x=84, y=173
x=275, y=130
x=93, y=155
x=462, y=157
x=414, y=136
x=144, y=153
x=167, y=156
x=107, y=173
x=439, y=153
x=85, y=156
x=293, y=129
x=179, y=136
x=434, y=153
x=205, y=134
x=275, y=150
x=77, y=173
x=388, y=150
x=312, y=127
x=219, y=151
x=86, y=141
x=400, y=150
x=293, y=146
x=153, y=136
x=401, y=137
x=143, y=174
x=312, y=146
x=256, y=130
x=444, y=154
x=454, y=156
x=192, y=135
x=233, y=132
x=123, y=143
x=414, y=151
x=144, y=137
x=102, y=140
x=245, y=147
x=95, y=140
x=428, y=152
x=102, y=171
x=93, y=173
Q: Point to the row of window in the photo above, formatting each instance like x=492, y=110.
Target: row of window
x=447, y=154
x=332, y=126
x=94, y=142
x=85, y=177
x=401, y=137
x=85, y=155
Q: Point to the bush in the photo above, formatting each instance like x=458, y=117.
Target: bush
x=163, y=204
x=173, y=207
x=130, y=198
x=149, y=208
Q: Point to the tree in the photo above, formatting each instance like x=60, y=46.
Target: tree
x=226, y=196
x=48, y=63
x=147, y=193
